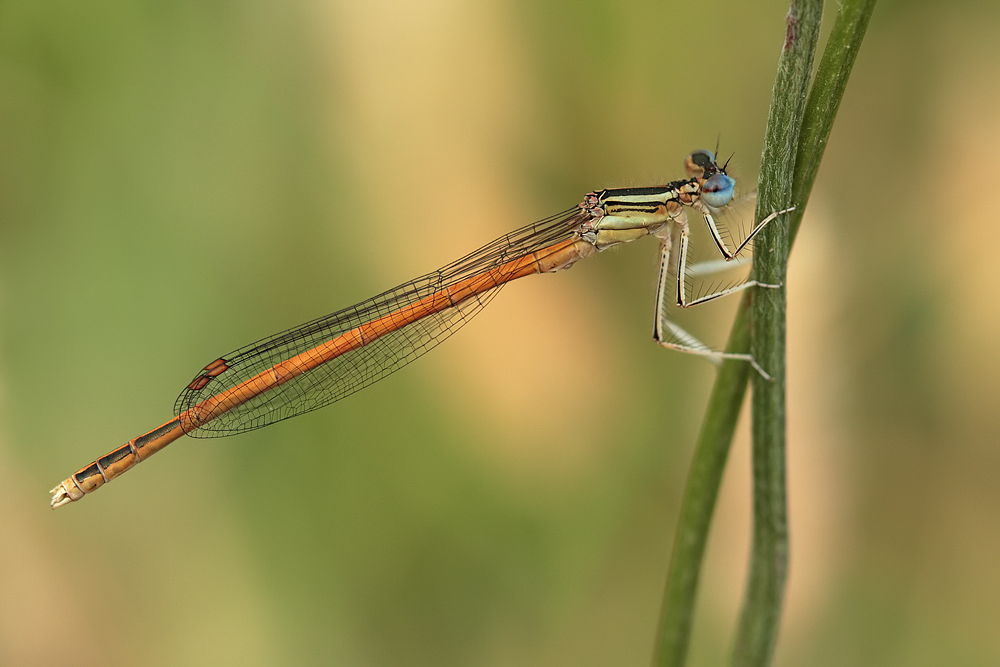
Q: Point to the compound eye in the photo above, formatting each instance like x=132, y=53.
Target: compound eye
x=718, y=190
x=700, y=162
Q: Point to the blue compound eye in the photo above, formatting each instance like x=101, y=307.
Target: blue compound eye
x=718, y=190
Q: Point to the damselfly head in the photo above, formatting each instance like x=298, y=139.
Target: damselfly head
x=718, y=190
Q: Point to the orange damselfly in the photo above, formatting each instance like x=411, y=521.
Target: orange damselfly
x=312, y=365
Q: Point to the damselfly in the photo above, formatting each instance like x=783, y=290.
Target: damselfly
x=322, y=361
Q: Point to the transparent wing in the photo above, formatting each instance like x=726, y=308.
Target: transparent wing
x=369, y=363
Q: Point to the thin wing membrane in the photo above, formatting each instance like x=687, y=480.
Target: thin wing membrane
x=358, y=368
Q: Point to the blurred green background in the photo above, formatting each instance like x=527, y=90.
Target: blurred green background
x=179, y=179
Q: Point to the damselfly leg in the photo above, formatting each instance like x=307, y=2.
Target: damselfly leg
x=679, y=339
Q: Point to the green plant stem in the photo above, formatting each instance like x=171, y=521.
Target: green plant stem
x=757, y=632
x=824, y=100
x=715, y=438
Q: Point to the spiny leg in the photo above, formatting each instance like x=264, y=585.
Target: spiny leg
x=714, y=356
x=659, y=317
x=760, y=226
x=713, y=228
x=682, y=274
x=712, y=266
x=717, y=237
x=685, y=342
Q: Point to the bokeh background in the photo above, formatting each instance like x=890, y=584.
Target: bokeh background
x=178, y=179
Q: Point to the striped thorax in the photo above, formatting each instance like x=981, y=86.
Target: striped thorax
x=620, y=215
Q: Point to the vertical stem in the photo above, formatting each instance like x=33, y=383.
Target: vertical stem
x=834, y=70
x=717, y=429
x=759, y=621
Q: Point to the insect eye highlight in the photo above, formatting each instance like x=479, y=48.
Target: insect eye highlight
x=718, y=190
